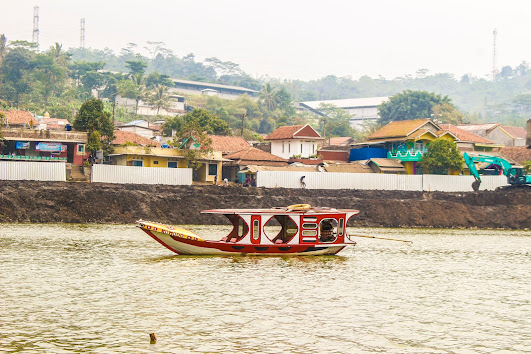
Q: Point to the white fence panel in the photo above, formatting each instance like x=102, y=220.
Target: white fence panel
x=409, y=182
x=141, y=175
x=32, y=171
x=375, y=181
x=461, y=183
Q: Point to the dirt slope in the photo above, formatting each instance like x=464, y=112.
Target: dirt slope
x=44, y=202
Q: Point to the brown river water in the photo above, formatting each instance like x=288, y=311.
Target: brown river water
x=104, y=288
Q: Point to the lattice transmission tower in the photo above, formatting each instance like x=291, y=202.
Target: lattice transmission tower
x=35, y=37
x=82, y=37
x=494, y=71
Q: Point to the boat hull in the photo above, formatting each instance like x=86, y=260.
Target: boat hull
x=186, y=245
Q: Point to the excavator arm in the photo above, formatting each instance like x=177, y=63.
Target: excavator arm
x=473, y=171
x=515, y=175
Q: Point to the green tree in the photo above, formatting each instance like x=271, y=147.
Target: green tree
x=442, y=155
x=159, y=97
x=92, y=119
x=200, y=120
x=523, y=104
x=447, y=113
x=2, y=116
x=335, y=122
x=3, y=49
x=17, y=65
x=189, y=135
x=410, y=105
x=527, y=166
x=267, y=97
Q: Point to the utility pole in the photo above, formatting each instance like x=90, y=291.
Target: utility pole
x=243, y=121
x=35, y=37
x=82, y=37
x=494, y=71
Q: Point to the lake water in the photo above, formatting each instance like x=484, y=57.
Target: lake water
x=102, y=288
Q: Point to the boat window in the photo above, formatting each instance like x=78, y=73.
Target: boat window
x=328, y=230
x=306, y=218
x=309, y=232
x=309, y=226
x=280, y=229
x=256, y=230
x=239, y=229
x=341, y=227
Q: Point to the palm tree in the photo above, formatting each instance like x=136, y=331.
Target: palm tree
x=268, y=97
x=160, y=98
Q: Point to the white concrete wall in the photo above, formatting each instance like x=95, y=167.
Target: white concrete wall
x=141, y=175
x=375, y=181
x=32, y=171
x=293, y=147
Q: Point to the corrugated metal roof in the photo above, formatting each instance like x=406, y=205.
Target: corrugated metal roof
x=208, y=84
x=348, y=103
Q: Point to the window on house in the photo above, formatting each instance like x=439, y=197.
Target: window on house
x=212, y=169
x=289, y=147
x=301, y=149
x=138, y=163
x=172, y=164
x=155, y=162
x=282, y=147
x=313, y=149
x=81, y=149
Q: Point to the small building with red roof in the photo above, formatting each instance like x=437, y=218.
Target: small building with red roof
x=250, y=156
x=295, y=141
x=27, y=140
x=130, y=149
x=228, y=144
x=18, y=119
x=467, y=141
x=498, y=133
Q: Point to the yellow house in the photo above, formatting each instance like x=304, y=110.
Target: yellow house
x=137, y=151
x=405, y=140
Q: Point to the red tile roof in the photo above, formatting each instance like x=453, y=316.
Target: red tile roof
x=519, y=154
x=121, y=138
x=464, y=135
x=17, y=117
x=293, y=132
x=228, y=144
x=339, y=140
x=256, y=155
x=516, y=132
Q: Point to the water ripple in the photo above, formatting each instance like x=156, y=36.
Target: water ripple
x=105, y=288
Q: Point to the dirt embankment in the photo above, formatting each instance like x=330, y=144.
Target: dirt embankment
x=43, y=202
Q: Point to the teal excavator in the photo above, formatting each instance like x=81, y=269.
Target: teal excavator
x=516, y=176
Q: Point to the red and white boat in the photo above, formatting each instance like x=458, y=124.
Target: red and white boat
x=295, y=230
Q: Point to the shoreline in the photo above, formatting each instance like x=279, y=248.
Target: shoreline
x=102, y=203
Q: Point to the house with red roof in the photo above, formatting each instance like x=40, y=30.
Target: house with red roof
x=26, y=140
x=498, y=133
x=467, y=141
x=130, y=149
x=404, y=140
x=18, y=119
x=295, y=141
x=228, y=144
x=235, y=162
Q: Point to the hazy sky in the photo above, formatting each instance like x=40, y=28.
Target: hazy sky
x=296, y=39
